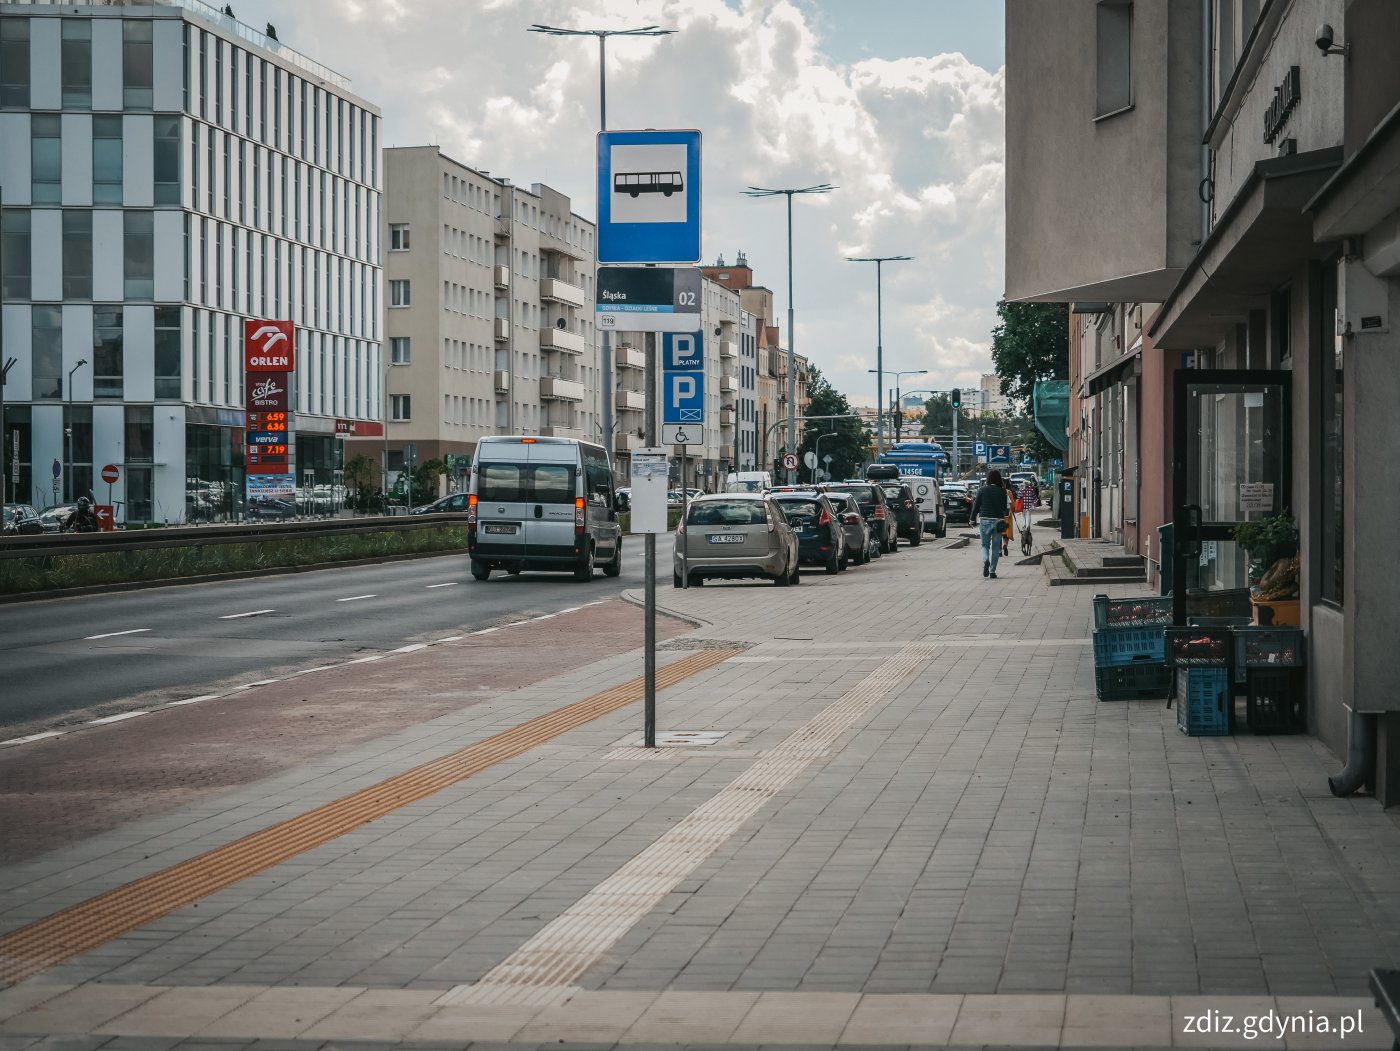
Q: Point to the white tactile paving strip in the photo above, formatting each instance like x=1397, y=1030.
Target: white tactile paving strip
x=543, y=970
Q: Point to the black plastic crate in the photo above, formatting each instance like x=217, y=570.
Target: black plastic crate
x=1275, y=701
x=1133, y=682
x=1198, y=647
x=1269, y=647
x=1204, y=704
x=1145, y=612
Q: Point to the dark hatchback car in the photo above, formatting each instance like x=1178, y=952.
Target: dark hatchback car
x=909, y=521
x=21, y=520
x=450, y=503
x=861, y=543
x=874, y=508
x=957, y=503
x=821, y=539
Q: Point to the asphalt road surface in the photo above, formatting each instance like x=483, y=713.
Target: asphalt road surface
x=68, y=660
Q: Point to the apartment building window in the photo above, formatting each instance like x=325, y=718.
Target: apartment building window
x=400, y=407
x=14, y=63
x=107, y=352
x=167, y=353
x=77, y=254
x=138, y=254
x=15, y=259
x=46, y=159
x=398, y=237
x=166, y=160
x=75, y=63
x=1115, y=57
x=46, y=351
x=400, y=350
x=399, y=295
x=106, y=160
x=136, y=64
x=140, y=453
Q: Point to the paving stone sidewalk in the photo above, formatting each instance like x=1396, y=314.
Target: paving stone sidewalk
x=983, y=845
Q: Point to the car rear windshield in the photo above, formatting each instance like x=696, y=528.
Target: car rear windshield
x=893, y=492
x=864, y=495
x=801, y=512
x=540, y=483
x=728, y=512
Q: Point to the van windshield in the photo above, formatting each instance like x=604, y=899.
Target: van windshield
x=749, y=485
x=540, y=483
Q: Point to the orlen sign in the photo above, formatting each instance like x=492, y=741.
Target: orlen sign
x=269, y=346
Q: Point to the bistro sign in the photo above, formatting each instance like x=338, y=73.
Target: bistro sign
x=1286, y=98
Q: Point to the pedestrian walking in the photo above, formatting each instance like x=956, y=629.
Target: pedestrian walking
x=990, y=508
x=1007, y=522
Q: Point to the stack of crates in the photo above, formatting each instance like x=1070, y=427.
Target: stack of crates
x=1204, y=693
x=1128, y=647
x=1271, y=660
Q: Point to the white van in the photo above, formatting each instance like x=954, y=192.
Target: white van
x=748, y=482
x=542, y=503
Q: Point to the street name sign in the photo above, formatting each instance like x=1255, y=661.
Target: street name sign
x=648, y=299
x=649, y=196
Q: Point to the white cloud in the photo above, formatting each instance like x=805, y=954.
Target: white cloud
x=915, y=144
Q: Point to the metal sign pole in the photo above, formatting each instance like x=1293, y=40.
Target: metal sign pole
x=649, y=671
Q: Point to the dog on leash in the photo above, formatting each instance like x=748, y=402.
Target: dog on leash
x=1026, y=541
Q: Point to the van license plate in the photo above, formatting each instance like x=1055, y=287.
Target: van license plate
x=726, y=538
x=492, y=528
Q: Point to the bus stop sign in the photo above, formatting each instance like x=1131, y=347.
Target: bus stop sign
x=648, y=197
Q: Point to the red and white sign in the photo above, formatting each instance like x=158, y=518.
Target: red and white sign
x=269, y=346
x=106, y=517
x=111, y=473
x=269, y=392
x=359, y=429
x=789, y=461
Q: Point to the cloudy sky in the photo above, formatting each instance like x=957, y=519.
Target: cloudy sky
x=897, y=102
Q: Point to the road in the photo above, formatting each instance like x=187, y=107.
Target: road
x=69, y=660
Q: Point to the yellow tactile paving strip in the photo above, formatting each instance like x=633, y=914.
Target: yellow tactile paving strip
x=98, y=920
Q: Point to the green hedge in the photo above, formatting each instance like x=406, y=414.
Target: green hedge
x=51, y=572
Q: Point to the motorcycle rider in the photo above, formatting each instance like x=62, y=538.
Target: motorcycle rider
x=82, y=519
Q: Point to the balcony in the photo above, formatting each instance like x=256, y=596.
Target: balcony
x=726, y=452
x=555, y=290
x=729, y=384
x=728, y=348
x=562, y=340
x=501, y=275
x=502, y=381
x=560, y=431
x=625, y=443
x=727, y=417
x=503, y=227
x=502, y=329
x=625, y=357
x=630, y=399
x=552, y=388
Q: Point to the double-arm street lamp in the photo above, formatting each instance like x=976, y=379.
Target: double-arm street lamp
x=879, y=261
x=898, y=397
x=606, y=364
x=760, y=191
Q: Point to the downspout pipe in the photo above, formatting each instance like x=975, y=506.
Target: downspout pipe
x=1361, y=756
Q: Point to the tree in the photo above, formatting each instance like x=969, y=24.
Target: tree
x=847, y=442
x=1031, y=343
x=938, y=415
x=363, y=477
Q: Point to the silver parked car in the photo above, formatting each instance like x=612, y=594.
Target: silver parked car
x=732, y=535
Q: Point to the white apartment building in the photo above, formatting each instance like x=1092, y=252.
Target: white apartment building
x=489, y=318
x=988, y=395
x=165, y=173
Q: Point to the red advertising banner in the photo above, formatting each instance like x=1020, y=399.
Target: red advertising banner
x=268, y=392
x=269, y=346
x=359, y=429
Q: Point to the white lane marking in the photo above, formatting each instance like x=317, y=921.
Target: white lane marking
x=260, y=682
x=252, y=613
x=571, y=609
x=115, y=718
x=488, y=631
x=354, y=598
x=191, y=700
x=449, y=584
x=546, y=966
x=33, y=737
x=450, y=638
x=114, y=634
x=411, y=649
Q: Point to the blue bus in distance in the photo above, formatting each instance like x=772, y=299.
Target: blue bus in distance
x=918, y=458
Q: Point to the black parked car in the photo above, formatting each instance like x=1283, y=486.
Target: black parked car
x=909, y=523
x=21, y=520
x=861, y=542
x=957, y=503
x=820, y=534
x=874, y=508
x=453, y=502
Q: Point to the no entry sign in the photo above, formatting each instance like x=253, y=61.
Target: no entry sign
x=111, y=473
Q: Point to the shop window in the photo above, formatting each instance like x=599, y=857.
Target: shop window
x=1115, y=57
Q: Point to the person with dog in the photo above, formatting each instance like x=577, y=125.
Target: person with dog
x=990, y=507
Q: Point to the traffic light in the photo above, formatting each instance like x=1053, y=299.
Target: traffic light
x=957, y=398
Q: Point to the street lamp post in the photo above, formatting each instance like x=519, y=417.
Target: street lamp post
x=898, y=397
x=759, y=191
x=606, y=364
x=879, y=261
x=817, y=453
x=68, y=433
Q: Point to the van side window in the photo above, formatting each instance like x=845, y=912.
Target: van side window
x=599, y=483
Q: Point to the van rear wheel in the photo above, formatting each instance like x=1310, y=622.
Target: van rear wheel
x=584, y=572
x=480, y=571
x=614, y=568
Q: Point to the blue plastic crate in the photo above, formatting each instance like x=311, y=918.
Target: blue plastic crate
x=1133, y=682
x=1115, y=647
x=1204, y=705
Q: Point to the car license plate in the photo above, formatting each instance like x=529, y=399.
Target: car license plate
x=726, y=538
x=493, y=528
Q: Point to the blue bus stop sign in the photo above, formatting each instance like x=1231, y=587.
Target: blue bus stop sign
x=648, y=197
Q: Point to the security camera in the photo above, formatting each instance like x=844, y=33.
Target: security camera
x=1325, y=40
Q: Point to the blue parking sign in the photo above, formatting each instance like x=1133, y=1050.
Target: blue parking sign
x=682, y=377
x=682, y=352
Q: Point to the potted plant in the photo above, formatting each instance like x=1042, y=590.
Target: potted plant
x=1272, y=544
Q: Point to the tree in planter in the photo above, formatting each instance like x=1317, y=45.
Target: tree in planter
x=362, y=477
